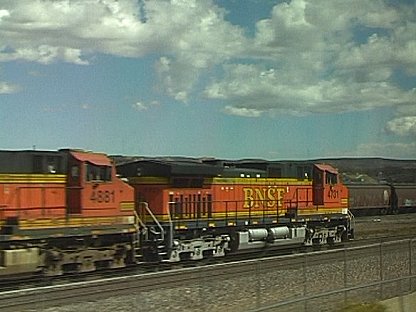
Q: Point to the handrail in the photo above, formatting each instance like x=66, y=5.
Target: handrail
x=140, y=221
x=170, y=228
x=352, y=217
x=162, y=231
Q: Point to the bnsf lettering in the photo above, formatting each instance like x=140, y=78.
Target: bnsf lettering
x=263, y=197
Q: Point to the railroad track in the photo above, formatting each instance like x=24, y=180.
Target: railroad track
x=61, y=290
x=98, y=290
x=371, y=230
x=32, y=281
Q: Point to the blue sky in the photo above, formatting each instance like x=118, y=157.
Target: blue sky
x=229, y=79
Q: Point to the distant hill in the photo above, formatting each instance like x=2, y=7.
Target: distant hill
x=379, y=169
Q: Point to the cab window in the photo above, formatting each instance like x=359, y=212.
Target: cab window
x=98, y=173
x=74, y=173
x=331, y=178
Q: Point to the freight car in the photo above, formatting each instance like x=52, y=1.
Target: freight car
x=367, y=199
x=381, y=198
x=63, y=211
x=192, y=210
x=403, y=197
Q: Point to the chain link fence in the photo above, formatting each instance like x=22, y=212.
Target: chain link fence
x=331, y=281
x=320, y=281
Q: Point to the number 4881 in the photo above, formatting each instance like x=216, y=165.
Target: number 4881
x=102, y=196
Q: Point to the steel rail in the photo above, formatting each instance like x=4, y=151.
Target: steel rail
x=48, y=296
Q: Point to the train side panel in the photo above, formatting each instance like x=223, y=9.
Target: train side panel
x=187, y=219
x=151, y=190
x=28, y=199
x=369, y=198
x=63, y=211
x=32, y=185
x=405, y=197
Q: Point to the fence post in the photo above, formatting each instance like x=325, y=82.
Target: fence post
x=381, y=270
x=305, y=265
x=345, y=276
x=258, y=292
x=201, y=290
x=411, y=264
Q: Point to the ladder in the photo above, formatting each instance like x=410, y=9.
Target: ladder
x=351, y=225
x=150, y=236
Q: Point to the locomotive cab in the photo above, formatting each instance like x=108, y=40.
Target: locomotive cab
x=327, y=189
x=63, y=211
x=93, y=189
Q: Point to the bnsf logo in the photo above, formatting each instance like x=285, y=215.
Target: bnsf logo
x=263, y=197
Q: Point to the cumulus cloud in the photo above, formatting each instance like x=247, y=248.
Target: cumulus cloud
x=44, y=54
x=244, y=112
x=320, y=63
x=402, y=125
x=143, y=106
x=86, y=106
x=139, y=106
x=193, y=35
x=405, y=110
x=48, y=31
x=300, y=60
x=8, y=88
x=252, y=87
x=404, y=122
x=198, y=38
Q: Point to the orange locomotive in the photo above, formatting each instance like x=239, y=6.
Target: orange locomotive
x=195, y=209
x=63, y=211
x=67, y=210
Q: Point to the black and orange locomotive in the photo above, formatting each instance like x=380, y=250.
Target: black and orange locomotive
x=70, y=210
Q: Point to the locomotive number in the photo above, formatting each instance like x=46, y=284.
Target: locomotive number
x=333, y=193
x=102, y=196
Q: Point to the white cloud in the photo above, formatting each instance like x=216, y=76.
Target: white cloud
x=320, y=63
x=44, y=54
x=177, y=77
x=379, y=54
x=4, y=13
x=47, y=31
x=404, y=122
x=244, y=112
x=8, y=88
x=139, y=106
x=142, y=106
x=192, y=34
x=310, y=56
x=405, y=110
x=86, y=106
x=253, y=87
x=198, y=38
x=402, y=125
x=126, y=28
